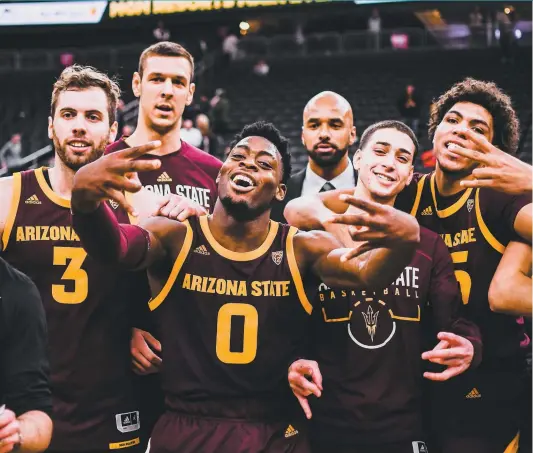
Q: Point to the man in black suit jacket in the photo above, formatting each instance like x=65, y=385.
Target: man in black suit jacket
x=328, y=131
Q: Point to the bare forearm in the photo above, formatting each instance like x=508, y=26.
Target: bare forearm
x=35, y=431
x=384, y=265
x=307, y=213
x=511, y=295
x=109, y=242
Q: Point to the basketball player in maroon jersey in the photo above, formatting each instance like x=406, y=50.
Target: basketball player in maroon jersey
x=94, y=399
x=164, y=86
x=228, y=297
x=478, y=411
x=368, y=343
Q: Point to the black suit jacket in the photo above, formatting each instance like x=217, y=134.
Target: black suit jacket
x=294, y=190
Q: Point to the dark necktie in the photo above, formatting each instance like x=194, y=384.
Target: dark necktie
x=327, y=187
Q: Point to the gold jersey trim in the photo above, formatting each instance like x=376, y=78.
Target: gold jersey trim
x=178, y=264
x=12, y=214
x=513, y=446
x=239, y=256
x=450, y=210
x=489, y=237
x=48, y=191
x=295, y=272
x=419, y=190
x=124, y=444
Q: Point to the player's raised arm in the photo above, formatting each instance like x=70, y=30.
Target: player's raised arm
x=100, y=233
x=389, y=238
x=510, y=290
x=311, y=212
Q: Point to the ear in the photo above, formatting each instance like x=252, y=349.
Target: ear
x=218, y=178
x=411, y=173
x=136, y=84
x=50, y=128
x=353, y=135
x=302, y=136
x=190, y=95
x=113, y=132
x=281, y=191
x=357, y=159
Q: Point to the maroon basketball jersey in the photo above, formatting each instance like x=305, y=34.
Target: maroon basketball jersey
x=89, y=327
x=230, y=325
x=476, y=225
x=368, y=345
x=188, y=172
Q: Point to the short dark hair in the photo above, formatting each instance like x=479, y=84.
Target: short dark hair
x=165, y=49
x=78, y=77
x=273, y=135
x=489, y=96
x=389, y=124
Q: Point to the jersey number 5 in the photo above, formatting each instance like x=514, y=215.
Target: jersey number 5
x=249, y=339
x=73, y=258
x=465, y=282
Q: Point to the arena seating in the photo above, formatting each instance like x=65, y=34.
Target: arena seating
x=371, y=82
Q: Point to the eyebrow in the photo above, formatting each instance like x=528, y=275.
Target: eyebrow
x=475, y=121
x=72, y=109
x=248, y=149
x=172, y=76
x=311, y=120
x=388, y=145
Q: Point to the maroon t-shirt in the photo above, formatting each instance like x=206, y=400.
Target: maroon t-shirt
x=87, y=307
x=368, y=345
x=230, y=324
x=189, y=172
x=476, y=226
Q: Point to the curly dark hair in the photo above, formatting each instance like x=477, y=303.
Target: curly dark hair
x=273, y=135
x=489, y=96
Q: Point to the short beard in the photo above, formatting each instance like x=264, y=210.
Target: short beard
x=455, y=174
x=240, y=211
x=327, y=163
x=75, y=165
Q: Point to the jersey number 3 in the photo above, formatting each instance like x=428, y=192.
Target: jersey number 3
x=249, y=338
x=73, y=258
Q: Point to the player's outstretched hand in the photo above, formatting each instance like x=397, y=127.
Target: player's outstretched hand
x=454, y=352
x=110, y=176
x=179, y=208
x=143, y=358
x=498, y=170
x=305, y=379
x=377, y=225
x=9, y=431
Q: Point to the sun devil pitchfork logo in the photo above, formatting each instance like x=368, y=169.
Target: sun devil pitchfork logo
x=371, y=321
x=277, y=257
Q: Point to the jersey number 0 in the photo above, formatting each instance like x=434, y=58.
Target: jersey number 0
x=249, y=339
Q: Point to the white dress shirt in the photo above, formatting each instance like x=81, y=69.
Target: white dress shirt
x=313, y=183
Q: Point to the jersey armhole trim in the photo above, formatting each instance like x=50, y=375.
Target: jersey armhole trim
x=178, y=264
x=48, y=191
x=489, y=237
x=12, y=214
x=295, y=272
x=419, y=190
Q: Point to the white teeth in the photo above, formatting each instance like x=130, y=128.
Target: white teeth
x=243, y=178
x=78, y=144
x=386, y=178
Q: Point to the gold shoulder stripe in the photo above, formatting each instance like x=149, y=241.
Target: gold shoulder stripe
x=295, y=272
x=12, y=214
x=450, y=210
x=187, y=243
x=419, y=190
x=489, y=237
x=513, y=446
x=239, y=256
x=54, y=197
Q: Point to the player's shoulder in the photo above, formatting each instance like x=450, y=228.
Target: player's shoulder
x=116, y=146
x=408, y=195
x=201, y=158
x=314, y=241
x=168, y=231
x=6, y=184
x=494, y=199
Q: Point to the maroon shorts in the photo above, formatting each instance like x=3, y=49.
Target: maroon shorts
x=184, y=433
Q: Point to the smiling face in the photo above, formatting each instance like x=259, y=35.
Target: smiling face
x=250, y=178
x=462, y=116
x=328, y=129
x=164, y=91
x=80, y=127
x=385, y=164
